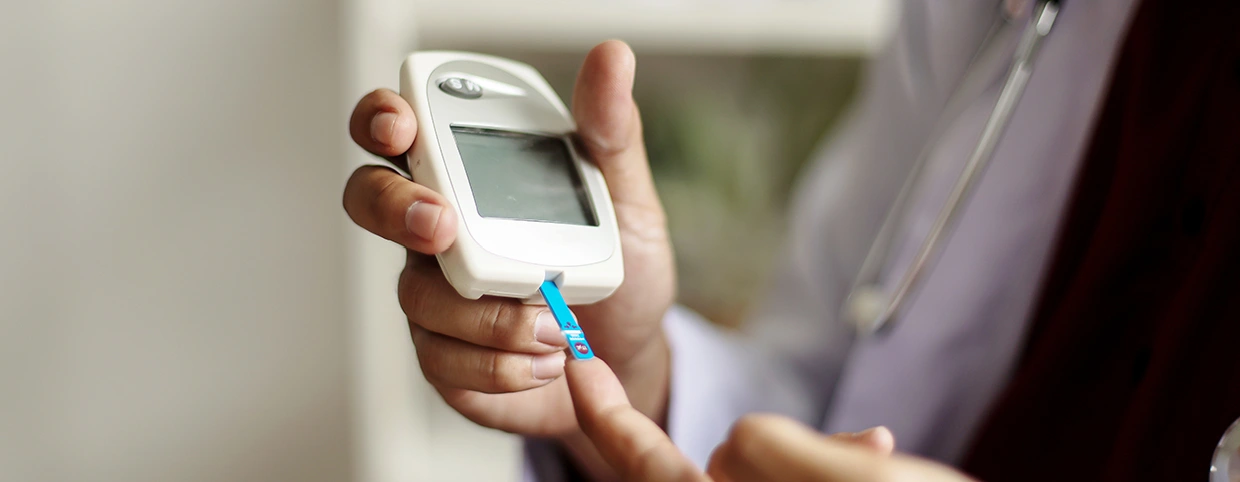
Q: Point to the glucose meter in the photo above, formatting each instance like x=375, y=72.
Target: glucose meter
x=497, y=142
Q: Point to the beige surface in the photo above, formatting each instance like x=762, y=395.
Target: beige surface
x=172, y=296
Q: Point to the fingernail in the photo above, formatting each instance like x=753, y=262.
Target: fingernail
x=549, y=366
x=422, y=218
x=382, y=126
x=547, y=331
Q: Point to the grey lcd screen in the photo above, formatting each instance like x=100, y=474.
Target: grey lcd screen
x=523, y=176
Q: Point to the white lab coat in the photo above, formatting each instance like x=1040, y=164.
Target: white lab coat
x=931, y=377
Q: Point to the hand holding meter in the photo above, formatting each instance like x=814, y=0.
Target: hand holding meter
x=496, y=141
x=498, y=360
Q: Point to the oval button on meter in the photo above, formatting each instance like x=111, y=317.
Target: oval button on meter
x=463, y=88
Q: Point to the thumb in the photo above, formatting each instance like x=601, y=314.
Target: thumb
x=610, y=127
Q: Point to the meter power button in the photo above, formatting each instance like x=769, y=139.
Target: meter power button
x=463, y=88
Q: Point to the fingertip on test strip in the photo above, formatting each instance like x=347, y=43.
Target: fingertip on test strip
x=577, y=344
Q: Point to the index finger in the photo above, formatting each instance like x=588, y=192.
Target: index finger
x=631, y=443
x=384, y=124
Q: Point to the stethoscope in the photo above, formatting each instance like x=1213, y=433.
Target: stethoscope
x=869, y=306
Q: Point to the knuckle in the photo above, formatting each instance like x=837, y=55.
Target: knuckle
x=387, y=193
x=349, y=186
x=495, y=372
x=355, y=190
x=416, y=296
x=501, y=324
x=409, y=293
x=488, y=320
x=504, y=373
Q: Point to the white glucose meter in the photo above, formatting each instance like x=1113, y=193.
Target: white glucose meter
x=498, y=143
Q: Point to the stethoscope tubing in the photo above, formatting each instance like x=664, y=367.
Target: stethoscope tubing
x=867, y=306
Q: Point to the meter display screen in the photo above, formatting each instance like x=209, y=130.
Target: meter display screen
x=523, y=176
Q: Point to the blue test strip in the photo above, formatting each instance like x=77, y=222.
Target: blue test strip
x=577, y=343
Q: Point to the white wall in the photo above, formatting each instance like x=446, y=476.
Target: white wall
x=172, y=252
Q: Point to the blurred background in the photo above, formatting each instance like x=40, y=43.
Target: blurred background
x=181, y=296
